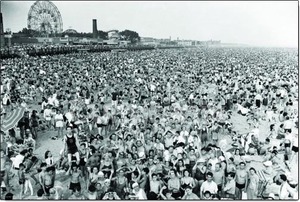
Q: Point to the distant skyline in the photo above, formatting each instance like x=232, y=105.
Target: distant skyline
x=255, y=23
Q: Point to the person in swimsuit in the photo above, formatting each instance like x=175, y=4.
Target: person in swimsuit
x=22, y=179
x=49, y=179
x=83, y=158
x=174, y=184
x=76, y=174
x=72, y=146
x=187, y=180
x=107, y=166
x=241, y=179
x=121, y=183
x=199, y=172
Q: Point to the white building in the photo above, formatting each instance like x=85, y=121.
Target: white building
x=113, y=34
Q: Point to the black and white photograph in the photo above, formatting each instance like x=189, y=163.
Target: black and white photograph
x=149, y=100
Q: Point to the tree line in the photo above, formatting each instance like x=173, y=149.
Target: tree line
x=128, y=35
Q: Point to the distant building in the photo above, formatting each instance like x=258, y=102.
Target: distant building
x=111, y=42
x=148, y=41
x=124, y=43
x=198, y=43
x=185, y=43
x=70, y=31
x=113, y=35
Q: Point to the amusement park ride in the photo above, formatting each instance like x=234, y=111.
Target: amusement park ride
x=45, y=18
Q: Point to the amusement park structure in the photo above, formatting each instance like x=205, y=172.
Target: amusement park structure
x=45, y=18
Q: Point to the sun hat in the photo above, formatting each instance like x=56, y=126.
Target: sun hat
x=134, y=185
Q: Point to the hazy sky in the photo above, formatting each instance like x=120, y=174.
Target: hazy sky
x=253, y=23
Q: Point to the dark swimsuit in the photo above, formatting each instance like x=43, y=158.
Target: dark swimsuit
x=71, y=143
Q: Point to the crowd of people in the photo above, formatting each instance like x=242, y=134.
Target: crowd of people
x=38, y=50
x=153, y=124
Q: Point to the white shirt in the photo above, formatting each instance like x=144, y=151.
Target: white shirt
x=49, y=161
x=152, y=87
x=212, y=187
x=47, y=113
x=289, y=137
x=141, y=195
x=56, y=102
x=285, y=190
x=51, y=101
x=17, y=160
x=69, y=116
x=243, y=109
x=59, y=117
x=258, y=97
x=288, y=124
x=167, y=155
x=180, y=138
x=184, y=133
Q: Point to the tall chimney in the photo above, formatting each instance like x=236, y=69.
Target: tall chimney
x=2, y=43
x=95, y=28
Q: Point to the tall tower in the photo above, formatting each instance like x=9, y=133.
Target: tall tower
x=95, y=28
x=1, y=28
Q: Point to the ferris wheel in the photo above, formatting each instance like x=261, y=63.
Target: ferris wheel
x=45, y=18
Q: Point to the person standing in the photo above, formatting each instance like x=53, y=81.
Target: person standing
x=23, y=124
x=34, y=123
x=76, y=174
x=219, y=177
x=48, y=116
x=241, y=179
x=208, y=185
x=252, y=188
x=71, y=144
x=22, y=179
x=59, y=123
x=285, y=189
x=230, y=187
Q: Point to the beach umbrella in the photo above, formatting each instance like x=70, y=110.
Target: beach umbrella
x=12, y=120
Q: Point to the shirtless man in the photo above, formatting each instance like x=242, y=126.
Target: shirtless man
x=49, y=179
x=42, y=176
x=241, y=180
x=219, y=176
x=75, y=178
x=155, y=184
x=174, y=184
x=93, y=161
